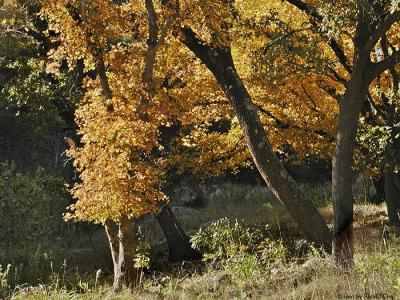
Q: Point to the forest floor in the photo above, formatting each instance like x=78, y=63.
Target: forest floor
x=283, y=269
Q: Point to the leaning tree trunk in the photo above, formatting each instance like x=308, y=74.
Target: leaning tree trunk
x=219, y=61
x=123, y=249
x=179, y=248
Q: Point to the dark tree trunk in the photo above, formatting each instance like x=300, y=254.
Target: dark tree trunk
x=342, y=174
x=392, y=187
x=179, y=247
x=392, y=196
x=379, y=196
x=219, y=62
x=342, y=177
x=123, y=249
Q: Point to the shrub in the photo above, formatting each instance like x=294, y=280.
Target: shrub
x=142, y=256
x=224, y=238
x=244, y=252
x=243, y=266
x=272, y=252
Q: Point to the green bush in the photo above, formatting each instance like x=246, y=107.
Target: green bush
x=142, y=256
x=245, y=252
x=224, y=238
x=243, y=266
x=272, y=252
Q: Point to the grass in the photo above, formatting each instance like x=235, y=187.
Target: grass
x=375, y=273
x=254, y=204
x=302, y=273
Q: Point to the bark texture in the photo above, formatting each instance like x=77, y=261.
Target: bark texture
x=342, y=175
x=392, y=186
x=114, y=248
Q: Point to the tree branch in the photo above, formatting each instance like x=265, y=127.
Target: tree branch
x=201, y=48
x=154, y=41
x=151, y=43
x=152, y=19
x=379, y=67
x=381, y=30
x=333, y=44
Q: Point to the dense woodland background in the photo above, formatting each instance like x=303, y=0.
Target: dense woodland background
x=199, y=149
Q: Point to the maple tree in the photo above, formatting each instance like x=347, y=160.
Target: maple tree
x=122, y=162
x=317, y=45
x=120, y=178
x=122, y=111
x=147, y=80
x=319, y=42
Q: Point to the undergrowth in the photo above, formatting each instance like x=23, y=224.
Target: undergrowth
x=243, y=258
x=240, y=262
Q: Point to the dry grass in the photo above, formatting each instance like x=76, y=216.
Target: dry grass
x=376, y=274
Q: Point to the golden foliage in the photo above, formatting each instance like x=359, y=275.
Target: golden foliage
x=287, y=66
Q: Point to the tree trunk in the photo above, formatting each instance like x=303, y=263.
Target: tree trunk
x=379, y=196
x=392, y=187
x=368, y=32
x=127, y=250
x=114, y=247
x=123, y=249
x=179, y=247
x=342, y=194
x=392, y=196
x=219, y=61
x=342, y=162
